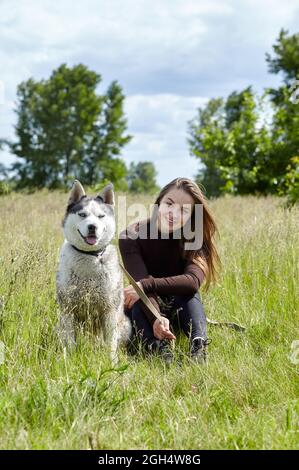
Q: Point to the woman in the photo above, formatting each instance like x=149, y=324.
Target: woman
x=170, y=267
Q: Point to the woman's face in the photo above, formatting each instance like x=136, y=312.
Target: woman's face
x=174, y=210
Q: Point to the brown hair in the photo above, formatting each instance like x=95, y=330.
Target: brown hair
x=206, y=257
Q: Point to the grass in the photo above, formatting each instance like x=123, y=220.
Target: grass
x=245, y=398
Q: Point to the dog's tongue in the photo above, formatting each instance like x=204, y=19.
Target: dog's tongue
x=91, y=240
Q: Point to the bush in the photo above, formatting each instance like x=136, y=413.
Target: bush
x=5, y=188
x=290, y=183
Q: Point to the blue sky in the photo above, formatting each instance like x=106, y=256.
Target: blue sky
x=170, y=56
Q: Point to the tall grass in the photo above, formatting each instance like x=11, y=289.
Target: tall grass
x=245, y=398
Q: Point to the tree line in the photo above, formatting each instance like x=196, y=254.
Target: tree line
x=245, y=143
x=249, y=144
x=65, y=129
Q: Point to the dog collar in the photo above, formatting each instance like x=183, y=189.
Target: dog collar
x=92, y=253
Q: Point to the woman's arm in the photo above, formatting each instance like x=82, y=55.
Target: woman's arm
x=134, y=264
x=187, y=283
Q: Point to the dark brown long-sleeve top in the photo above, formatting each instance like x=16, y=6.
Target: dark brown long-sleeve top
x=158, y=265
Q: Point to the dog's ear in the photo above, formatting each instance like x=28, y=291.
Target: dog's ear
x=107, y=194
x=77, y=192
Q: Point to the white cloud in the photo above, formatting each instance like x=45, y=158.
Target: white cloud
x=164, y=142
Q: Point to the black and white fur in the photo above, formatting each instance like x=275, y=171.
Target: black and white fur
x=89, y=280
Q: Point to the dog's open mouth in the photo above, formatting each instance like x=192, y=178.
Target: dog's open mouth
x=90, y=239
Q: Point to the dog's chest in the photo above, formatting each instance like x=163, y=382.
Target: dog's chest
x=90, y=284
x=96, y=283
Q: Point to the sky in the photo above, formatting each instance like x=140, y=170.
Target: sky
x=169, y=56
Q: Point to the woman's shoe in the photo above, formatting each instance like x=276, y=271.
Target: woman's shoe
x=198, y=350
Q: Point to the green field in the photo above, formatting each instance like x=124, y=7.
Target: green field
x=247, y=397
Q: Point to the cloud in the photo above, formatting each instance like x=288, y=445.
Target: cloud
x=169, y=56
x=164, y=142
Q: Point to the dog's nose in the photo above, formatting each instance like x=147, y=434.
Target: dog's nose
x=91, y=228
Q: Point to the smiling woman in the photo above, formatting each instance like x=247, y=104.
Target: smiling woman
x=168, y=270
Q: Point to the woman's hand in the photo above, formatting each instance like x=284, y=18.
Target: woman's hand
x=161, y=329
x=131, y=295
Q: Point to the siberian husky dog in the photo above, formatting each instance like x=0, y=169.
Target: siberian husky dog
x=89, y=282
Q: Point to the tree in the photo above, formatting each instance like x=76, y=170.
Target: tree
x=206, y=143
x=285, y=135
x=142, y=178
x=286, y=57
x=65, y=130
x=3, y=168
x=231, y=143
x=106, y=141
x=240, y=151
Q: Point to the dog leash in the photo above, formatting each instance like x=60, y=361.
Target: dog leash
x=142, y=295
x=148, y=303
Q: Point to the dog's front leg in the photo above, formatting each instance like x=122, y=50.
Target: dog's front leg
x=66, y=330
x=113, y=349
x=111, y=339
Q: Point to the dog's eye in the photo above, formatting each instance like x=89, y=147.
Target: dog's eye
x=82, y=214
x=101, y=215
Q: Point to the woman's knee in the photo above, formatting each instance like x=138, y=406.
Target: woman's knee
x=136, y=311
x=189, y=301
x=190, y=316
x=140, y=320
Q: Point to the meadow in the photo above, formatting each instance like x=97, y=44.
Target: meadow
x=246, y=397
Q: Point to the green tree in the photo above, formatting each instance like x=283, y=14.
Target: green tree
x=232, y=144
x=207, y=137
x=286, y=57
x=4, y=170
x=66, y=130
x=142, y=178
x=240, y=150
x=285, y=135
x=107, y=140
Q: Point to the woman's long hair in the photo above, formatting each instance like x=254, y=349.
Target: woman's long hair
x=206, y=257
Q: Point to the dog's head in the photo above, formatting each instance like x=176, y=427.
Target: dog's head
x=89, y=222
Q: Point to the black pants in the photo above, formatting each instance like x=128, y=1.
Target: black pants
x=187, y=315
